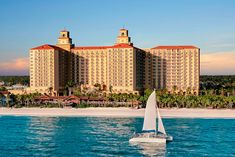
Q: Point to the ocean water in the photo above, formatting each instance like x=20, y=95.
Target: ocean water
x=90, y=136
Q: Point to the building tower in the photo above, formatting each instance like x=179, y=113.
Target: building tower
x=123, y=37
x=64, y=41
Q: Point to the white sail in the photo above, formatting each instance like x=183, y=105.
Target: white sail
x=160, y=123
x=150, y=125
x=150, y=114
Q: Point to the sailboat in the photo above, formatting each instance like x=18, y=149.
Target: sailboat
x=149, y=132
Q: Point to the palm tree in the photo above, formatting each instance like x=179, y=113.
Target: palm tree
x=60, y=103
x=21, y=99
x=98, y=86
x=175, y=88
x=69, y=86
x=8, y=100
x=27, y=99
x=188, y=90
x=211, y=91
x=1, y=97
x=77, y=92
x=111, y=89
x=104, y=87
x=50, y=89
x=30, y=99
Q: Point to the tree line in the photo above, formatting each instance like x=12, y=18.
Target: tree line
x=215, y=92
x=11, y=80
x=164, y=100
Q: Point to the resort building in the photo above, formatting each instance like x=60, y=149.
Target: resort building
x=176, y=68
x=48, y=69
x=119, y=68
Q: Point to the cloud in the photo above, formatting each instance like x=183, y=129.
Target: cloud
x=221, y=63
x=19, y=66
x=222, y=45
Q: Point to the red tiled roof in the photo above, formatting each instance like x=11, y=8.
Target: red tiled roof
x=122, y=46
x=64, y=30
x=45, y=97
x=122, y=36
x=73, y=96
x=47, y=47
x=90, y=47
x=96, y=99
x=102, y=47
x=4, y=92
x=175, y=47
x=83, y=98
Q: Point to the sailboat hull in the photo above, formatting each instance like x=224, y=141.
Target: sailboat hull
x=151, y=137
x=147, y=140
x=169, y=139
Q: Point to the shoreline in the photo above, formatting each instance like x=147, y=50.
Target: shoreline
x=116, y=112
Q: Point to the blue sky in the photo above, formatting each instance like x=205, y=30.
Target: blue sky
x=208, y=24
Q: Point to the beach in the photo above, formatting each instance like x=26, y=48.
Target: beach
x=118, y=112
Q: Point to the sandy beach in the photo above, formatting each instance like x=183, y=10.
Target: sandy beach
x=118, y=112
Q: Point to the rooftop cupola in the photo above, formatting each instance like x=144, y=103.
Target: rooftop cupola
x=123, y=37
x=64, y=40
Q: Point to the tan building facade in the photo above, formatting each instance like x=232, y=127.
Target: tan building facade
x=176, y=68
x=48, y=69
x=119, y=68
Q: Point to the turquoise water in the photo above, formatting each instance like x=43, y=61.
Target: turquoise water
x=80, y=136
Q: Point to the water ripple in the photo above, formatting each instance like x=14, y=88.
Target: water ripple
x=81, y=136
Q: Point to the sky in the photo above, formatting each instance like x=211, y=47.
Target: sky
x=207, y=24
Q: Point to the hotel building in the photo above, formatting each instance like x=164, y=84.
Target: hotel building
x=119, y=68
x=48, y=69
x=176, y=68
